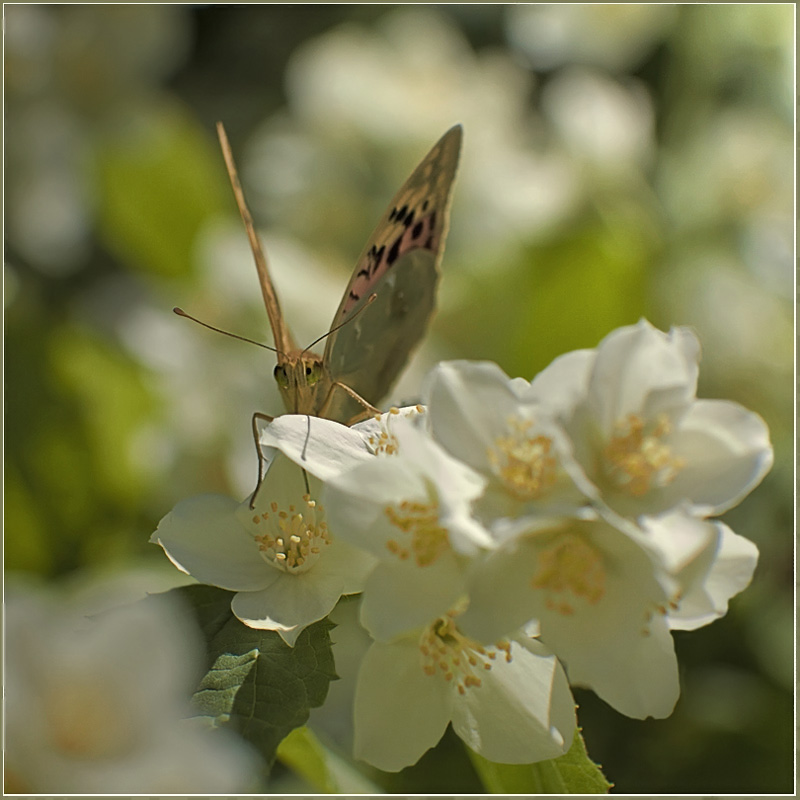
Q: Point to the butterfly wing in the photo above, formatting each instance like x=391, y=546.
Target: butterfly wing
x=280, y=331
x=400, y=265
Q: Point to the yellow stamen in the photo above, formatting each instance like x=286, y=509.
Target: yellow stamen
x=570, y=565
x=447, y=652
x=384, y=442
x=523, y=461
x=293, y=540
x=637, y=460
x=420, y=522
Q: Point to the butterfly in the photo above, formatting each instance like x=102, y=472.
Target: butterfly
x=387, y=303
x=367, y=347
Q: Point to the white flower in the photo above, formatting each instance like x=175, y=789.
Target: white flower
x=412, y=512
x=94, y=705
x=599, y=594
x=642, y=437
x=509, y=702
x=326, y=448
x=287, y=568
x=710, y=562
x=495, y=425
x=378, y=431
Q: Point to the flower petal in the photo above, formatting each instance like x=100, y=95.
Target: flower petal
x=468, y=403
x=324, y=447
x=357, y=500
x=619, y=645
x=564, y=382
x=727, y=452
x=523, y=710
x=496, y=426
x=351, y=563
x=400, y=712
x=634, y=672
x=596, y=601
x=400, y=596
x=644, y=371
x=378, y=431
x=291, y=603
x=732, y=563
x=681, y=540
x=203, y=537
x=333, y=721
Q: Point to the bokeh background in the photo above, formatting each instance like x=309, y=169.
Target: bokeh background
x=619, y=162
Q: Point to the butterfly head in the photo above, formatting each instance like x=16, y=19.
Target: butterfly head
x=300, y=376
x=306, y=370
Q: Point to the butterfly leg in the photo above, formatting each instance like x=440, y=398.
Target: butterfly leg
x=360, y=417
x=368, y=407
x=265, y=418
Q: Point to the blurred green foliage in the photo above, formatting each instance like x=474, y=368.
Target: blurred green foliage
x=157, y=231
x=620, y=161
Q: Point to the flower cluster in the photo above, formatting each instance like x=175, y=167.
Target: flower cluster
x=503, y=536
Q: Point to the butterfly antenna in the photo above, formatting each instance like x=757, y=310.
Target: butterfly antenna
x=371, y=299
x=279, y=334
x=181, y=313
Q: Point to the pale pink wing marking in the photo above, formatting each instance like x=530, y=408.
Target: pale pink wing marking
x=417, y=218
x=417, y=233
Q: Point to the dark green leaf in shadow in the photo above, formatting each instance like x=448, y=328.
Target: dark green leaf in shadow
x=257, y=684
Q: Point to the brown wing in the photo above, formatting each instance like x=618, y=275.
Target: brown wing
x=280, y=331
x=369, y=353
x=416, y=217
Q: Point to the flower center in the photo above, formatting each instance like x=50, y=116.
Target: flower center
x=293, y=540
x=385, y=442
x=523, y=461
x=458, y=659
x=637, y=459
x=570, y=565
x=423, y=536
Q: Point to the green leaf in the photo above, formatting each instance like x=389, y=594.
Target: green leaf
x=257, y=684
x=159, y=181
x=111, y=402
x=572, y=773
x=302, y=752
x=326, y=772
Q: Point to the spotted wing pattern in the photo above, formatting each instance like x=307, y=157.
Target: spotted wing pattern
x=417, y=217
x=400, y=265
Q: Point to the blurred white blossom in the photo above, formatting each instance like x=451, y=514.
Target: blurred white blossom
x=610, y=36
x=50, y=54
x=356, y=91
x=96, y=704
x=605, y=122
